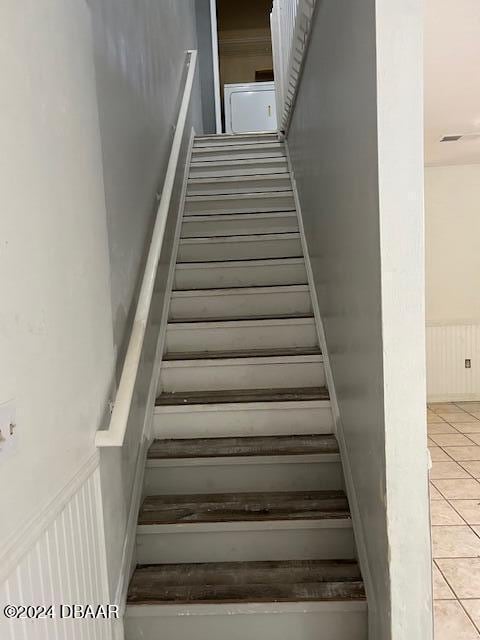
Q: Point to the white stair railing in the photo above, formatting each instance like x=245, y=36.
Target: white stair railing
x=114, y=436
x=290, y=22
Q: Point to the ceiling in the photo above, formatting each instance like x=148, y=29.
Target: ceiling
x=452, y=80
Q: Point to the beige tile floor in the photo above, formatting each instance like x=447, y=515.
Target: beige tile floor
x=454, y=444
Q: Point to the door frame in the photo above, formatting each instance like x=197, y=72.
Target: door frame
x=216, y=65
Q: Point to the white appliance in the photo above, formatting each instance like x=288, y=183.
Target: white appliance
x=250, y=107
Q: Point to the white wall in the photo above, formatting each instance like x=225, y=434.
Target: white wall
x=205, y=64
x=140, y=53
x=139, y=50
x=452, y=217
x=356, y=149
x=452, y=208
x=56, y=346
x=86, y=129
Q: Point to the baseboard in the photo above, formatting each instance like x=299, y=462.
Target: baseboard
x=128, y=556
x=454, y=397
x=359, y=531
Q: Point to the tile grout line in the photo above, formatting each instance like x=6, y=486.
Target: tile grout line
x=449, y=502
x=457, y=599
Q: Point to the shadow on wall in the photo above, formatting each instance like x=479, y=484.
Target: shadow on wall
x=139, y=53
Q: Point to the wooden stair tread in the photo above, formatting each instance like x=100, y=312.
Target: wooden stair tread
x=242, y=446
x=273, y=288
x=244, y=507
x=269, y=215
x=254, y=176
x=244, y=261
x=277, y=581
x=286, y=316
x=242, y=353
x=243, y=395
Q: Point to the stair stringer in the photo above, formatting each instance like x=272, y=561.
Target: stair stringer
x=358, y=528
x=128, y=562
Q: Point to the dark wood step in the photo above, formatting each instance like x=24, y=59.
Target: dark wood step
x=287, y=581
x=240, y=234
x=242, y=446
x=243, y=260
x=247, y=286
x=242, y=353
x=304, y=394
x=288, y=316
x=244, y=507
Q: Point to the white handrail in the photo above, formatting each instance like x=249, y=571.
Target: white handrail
x=115, y=434
x=290, y=22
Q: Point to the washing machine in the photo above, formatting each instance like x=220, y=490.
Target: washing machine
x=250, y=107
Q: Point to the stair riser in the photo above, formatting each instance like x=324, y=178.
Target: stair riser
x=241, y=475
x=345, y=621
x=254, y=184
x=216, y=375
x=236, y=305
x=242, y=542
x=216, y=226
x=245, y=275
x=214, y=205
x=242, y=335
x=239, y=249
x=230, y=152
x=222, y=141
x=246, y=167
x=257, y=419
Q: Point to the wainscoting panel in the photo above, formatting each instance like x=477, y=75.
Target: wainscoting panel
x=64, y=565
x=448, y=347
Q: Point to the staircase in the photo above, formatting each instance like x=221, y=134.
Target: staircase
x=245, y=531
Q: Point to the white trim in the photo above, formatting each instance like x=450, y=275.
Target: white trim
x=127, y=563
x=338, y=425
x=25, y=537
x=291, y=22
x=281, y=459
x=153, y=611
x=99, y=514
x=287, y=405
x=115, y=434
x=235, y=264
x=244, y=525
x=258, y=237
x=242, y=361
x=216, y=66
x=162, y=335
